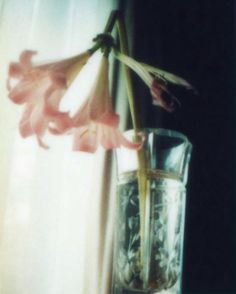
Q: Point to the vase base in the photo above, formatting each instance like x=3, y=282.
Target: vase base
x=118, y=290
x=125, y=291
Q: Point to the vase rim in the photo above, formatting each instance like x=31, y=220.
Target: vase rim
x=162, y=131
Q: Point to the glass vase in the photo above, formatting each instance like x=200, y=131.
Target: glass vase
x=151, y=262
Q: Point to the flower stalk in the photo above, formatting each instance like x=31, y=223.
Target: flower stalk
x=111, y=21
x=142, y=174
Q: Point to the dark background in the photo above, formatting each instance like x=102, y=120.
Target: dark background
x=195, y=39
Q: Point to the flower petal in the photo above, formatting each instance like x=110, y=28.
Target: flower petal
x=70, y=67
x=15, y=70
x=81, y=117
x=41, y=88
x=135, y=66
x=25, y=125
x=58, y=79
x=156, y=79
x=100, y=101
x=85, y=139
x=25, y=58
x=52, y=100
x=62, y=65
x=76, y=67
x=158, y=99
x=109, y=118
x=163, y=97
x=39, y=123
x=60, y=124
x=109, y=138
x=28, y=90
x=21, y=92
x=99, y=120
x=126, y=143
x=174, y=79
x=41, y=143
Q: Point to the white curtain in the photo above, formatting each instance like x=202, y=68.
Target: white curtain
x=55, y=215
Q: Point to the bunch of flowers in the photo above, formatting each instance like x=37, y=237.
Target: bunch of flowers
x=41, y=87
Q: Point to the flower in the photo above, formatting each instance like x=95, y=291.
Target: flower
x=156, y=79
x=41, y=88
x=95, y=122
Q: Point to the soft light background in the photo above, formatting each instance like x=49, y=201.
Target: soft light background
x=55, y=219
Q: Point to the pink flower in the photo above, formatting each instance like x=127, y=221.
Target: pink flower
x=156, y=79
x=95, y=122
x=41, y=88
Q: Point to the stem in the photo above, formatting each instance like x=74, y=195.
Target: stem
x=111, y=21
x=142, y=174
x=94, y=48
x=108, y=29
x=124, y=49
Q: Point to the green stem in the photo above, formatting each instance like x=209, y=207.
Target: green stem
x=114, y=17
x=142, y=174
x=94, y=48
x=108, y=29
x=111, y=21
x=128, y=80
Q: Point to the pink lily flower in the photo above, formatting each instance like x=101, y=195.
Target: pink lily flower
x=41, y=88
x=95, y=122
x=156, y=79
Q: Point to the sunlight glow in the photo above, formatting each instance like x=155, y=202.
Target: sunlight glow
x=50, y=200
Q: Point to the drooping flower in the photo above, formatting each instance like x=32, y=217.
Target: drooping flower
x=41, y=88
x=95, y=122
x=157, y=80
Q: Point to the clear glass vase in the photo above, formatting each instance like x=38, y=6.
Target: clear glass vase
x=152, y=264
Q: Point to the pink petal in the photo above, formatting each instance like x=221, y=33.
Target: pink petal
x=61, y=124
x=38, y=121
x=81, y=117
x=34, y=122
x=15, y=70
x=52, y=100
x=25, y=58
x=123, y=141
x=41, y=143
x=39, y=125
x=21, y=92
x=158, y=99
x=100, y=101
x=109, y=118
x=29, y=89
x=85, y=140
x=73, y=70
x=109, y=138
x=100, y=108
x=136, y=66
x=58, y=79
x=156, y=92
x=167, y=76
x=25, y=125
x=62, y=65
